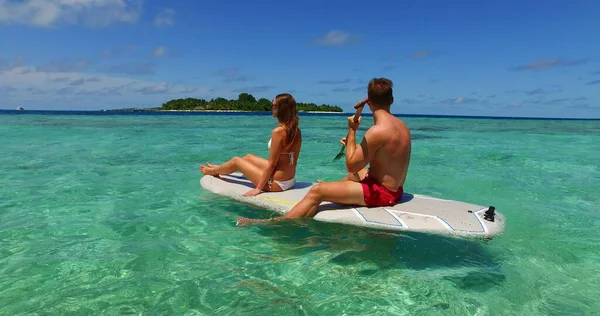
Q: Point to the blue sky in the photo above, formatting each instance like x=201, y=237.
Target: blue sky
x=503, y=58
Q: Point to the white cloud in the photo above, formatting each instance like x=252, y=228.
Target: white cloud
x=231, y=74
x=45, y=90
x=420, y=54
x=164, y=18
x=159, y=51
x=64, y=65
x=155, y=88
x=115, y=52
x=53, y=13
x=15, y=62
x=25, y=78
x=549, y=63
x=333, y=38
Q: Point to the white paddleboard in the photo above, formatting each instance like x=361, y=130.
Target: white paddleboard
x=414, y=212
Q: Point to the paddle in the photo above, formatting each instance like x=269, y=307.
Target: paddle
x=359, y=107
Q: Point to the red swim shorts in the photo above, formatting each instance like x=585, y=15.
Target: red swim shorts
x=378, y=195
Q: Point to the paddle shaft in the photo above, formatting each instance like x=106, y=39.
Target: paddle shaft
x=356, y=117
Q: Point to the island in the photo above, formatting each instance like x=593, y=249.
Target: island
x=245, y=103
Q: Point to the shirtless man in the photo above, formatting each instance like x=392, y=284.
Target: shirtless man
x=386, y=146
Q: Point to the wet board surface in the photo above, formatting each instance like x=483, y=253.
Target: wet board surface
x=413, y=213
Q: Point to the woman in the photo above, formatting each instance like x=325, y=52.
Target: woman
x=278, y=173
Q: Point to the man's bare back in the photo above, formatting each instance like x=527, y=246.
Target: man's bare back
x=389, y=165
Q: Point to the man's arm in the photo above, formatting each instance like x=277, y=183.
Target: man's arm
x=358, y=157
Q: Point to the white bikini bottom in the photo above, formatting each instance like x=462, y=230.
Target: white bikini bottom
x=284, y=185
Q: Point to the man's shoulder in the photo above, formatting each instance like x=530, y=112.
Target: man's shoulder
x=377, y=133
x=396, y=121
x=385, y=125
x=376, y=128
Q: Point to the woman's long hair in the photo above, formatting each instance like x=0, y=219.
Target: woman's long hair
x=287, y=114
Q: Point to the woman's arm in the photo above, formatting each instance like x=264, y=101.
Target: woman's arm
x=277, y=137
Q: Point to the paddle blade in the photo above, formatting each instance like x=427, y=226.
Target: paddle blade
x=340, y=154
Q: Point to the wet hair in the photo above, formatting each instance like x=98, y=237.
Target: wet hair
x=380, y=92
x=287, y=114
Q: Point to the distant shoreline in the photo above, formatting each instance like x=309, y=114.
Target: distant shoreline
x=330, y=112
x=233, y=112
x=225, y=111
x=245, y=102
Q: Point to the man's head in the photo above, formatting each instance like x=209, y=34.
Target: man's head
x=380, y=93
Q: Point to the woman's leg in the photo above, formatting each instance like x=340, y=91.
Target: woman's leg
x=247, y=168
x=255, y=160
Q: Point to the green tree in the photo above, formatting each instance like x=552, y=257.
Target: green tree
x=245, y=102
x=264, y=104
x=246, y=97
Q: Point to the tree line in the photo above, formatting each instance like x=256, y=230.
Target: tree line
x=244, y=102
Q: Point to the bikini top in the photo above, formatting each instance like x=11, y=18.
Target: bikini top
x=290, y=154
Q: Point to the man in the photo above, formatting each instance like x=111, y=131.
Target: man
x=386, y=146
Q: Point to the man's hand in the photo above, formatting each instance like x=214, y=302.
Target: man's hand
x=352, y=124
x=361, y=103
x=343, y=141
x=253, y=192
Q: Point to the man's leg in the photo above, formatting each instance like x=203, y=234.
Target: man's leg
x=341, y=192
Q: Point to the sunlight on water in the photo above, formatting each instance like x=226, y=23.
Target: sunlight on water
x=105, y=215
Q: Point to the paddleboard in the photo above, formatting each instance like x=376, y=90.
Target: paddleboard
x=414, y=212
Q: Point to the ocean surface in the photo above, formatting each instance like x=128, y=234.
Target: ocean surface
x=104, y=215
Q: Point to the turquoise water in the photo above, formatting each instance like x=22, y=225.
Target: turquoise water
x=105, y=215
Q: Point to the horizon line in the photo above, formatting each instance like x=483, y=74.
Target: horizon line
x=108, y=112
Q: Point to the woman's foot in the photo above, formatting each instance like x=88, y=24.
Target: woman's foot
x=213, y=168
x=211, y=165
x=209, y=169
x=206, y=170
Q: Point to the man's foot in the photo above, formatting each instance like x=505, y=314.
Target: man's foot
x=320, y=181
x=242, y=221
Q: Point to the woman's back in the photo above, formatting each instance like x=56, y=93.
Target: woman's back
x=288, y=156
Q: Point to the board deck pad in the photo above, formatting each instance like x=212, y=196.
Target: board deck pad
x=414, y=212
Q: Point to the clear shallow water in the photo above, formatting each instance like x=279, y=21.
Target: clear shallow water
x=105, y=215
